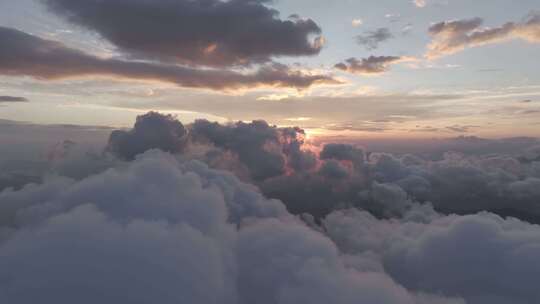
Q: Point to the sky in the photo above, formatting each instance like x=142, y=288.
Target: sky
x=269, y=152
x=370, y=69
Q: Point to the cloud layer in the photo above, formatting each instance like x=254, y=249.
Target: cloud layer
x=319, y=180
x=165, y=231
x=480, y=257
x=134, y=225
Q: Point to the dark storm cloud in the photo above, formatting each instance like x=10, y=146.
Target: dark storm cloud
x=26, y=55
x=450, y=37
x=371, y=39
x=12, y=99
x=209, y=32
x=369, y=66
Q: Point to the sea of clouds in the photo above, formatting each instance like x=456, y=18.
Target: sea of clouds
x=252, y=213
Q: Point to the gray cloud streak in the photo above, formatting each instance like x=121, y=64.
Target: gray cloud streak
x=210, y=32
x=12, y=99
x=26, y=55
x=369, y=66
x=450, y=37
x=371, y=39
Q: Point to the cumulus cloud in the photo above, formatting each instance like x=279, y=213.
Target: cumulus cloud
x=26, y=55
x=371, y=227
x=255, y=150
x=163, y=240
x=211, y=32
x=267, y=151
x=334, y=170
x=12, y=99
x=165, y=231
x=151, y=131
x=386, y=184
x=371, y=39
x=343, y=152
x=256, y=144
x=450, y=37
x=318, y=181
x=480, y=257
x=465, y=184
x=371, y=65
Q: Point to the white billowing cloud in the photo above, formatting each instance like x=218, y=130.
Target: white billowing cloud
x=85, y=256
x=482, y=258
x=450, y=37
x=357, y=22
x=309, y=271
x=420, y=3
x=162, y=231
